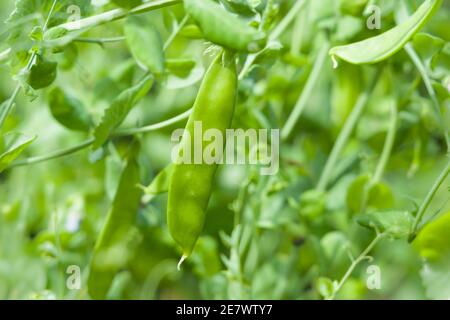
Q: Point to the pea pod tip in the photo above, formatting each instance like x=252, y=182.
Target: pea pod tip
x=335, y=61
x=182, y=259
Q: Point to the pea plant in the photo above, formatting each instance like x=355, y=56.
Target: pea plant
x=97, y=201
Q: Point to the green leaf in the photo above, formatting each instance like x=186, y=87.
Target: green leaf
x=312, y=204
x=238, y=6
x=377, y=196
x=433, y=244
x=42, y=73
x=118, y=238
x=13, y=145
x=396, y=224
x=325, y=287
x=180, y=67
x=145, y=43
x=440, y=64
x=191, y=31
x=353, y=7
x=69, y=111
x=383, y=46
x=427, y=46
x=119, y=109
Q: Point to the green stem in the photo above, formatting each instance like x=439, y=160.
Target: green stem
x=306, y=94
x=388, y=145
x=87, y=143
x=99, y=41
x=288, y=18
x=426, y=203
x=345, y=134
x=354, y=264
x=384, y=158
x=116, y=14
x=153, y=127
x=53, y=155
x=297, y=33
x=8, y=106
x=5, y=54
x=175, y=32
x=429, y=86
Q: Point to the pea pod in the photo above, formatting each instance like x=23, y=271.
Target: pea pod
x=223, y=28
x=383, y=46
x=190, y=185
x=117, y=240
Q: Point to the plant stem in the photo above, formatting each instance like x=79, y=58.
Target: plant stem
x=99, y=41
x=388, y=145
x=153, y=127
x=345, y=134
x=116, y=14
x=288, y=18
x=426, y=203
x=384, y=158
x=10, y=104
x=354, y=264
x=87, y=143
x=175, y=32
x=429, y=86
x=5, y=54
x=306, y=94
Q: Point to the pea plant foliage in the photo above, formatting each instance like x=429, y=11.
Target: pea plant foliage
x=95, y=204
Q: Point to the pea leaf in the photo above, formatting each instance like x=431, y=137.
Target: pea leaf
x=353, y=7
x=396, y=224
x=381, y=47
x=14, y=144
x=238, y=6
x=42, y=73
x=119, y=109
x=69, y=111
x=312, y=204
x=145, y=43
x=427, y=46
x=325, y=287
x=180, y=67
x=191, y=31
x=433, y=244
x=118, y=238
x=378, y=196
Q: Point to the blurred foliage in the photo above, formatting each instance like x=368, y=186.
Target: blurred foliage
x=266, y=237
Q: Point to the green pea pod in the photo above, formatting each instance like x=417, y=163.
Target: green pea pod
x=112, y=250
x=191, y=184
x=223, y=28
x=385, y=45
